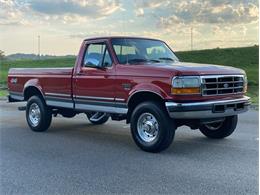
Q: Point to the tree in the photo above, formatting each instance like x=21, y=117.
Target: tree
x=2, y=55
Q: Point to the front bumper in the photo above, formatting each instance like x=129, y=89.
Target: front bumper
x=209, y=109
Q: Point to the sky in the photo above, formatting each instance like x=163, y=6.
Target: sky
x=63, y=24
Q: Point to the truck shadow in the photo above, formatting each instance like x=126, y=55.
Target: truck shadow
x=198, y=144
x=116, y=135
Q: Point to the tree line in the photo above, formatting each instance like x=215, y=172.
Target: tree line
x=2, y=55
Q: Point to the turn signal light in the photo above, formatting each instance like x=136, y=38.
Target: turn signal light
x=185, y=91
x=245, y=88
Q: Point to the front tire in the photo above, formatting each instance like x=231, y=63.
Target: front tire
x=151, y=127
x=38, y=114
x=221, y=129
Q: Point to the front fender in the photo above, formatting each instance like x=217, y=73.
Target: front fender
x=148, y=87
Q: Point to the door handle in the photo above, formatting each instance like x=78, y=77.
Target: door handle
x=127, y=86
x=80, y=73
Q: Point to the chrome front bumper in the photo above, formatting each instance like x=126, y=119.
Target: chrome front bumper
x=209, y=109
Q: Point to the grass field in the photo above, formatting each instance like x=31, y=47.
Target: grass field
x=245, y=58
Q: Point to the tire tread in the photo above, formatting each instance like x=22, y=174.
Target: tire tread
x=228, y=127
x=46, y=114
x=167, y=127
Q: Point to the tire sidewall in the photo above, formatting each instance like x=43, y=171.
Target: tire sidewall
x=161, y=117
x=226, y=129
x=44, y=112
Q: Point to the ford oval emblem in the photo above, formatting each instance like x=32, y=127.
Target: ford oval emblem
x=13, y=80
x=226, y=85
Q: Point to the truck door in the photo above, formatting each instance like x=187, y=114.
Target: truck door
x=94, y=81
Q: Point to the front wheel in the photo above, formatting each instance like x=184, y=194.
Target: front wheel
x=151, y=127
x=220, y=130
x=38, y=114
x=97, y=118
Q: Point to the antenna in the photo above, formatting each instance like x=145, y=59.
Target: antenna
x=39, y=46
x=124, y=33
x=191, y=38
x=124, y=22
x=126, y=51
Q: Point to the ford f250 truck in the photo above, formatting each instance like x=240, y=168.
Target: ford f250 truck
x=139, y=80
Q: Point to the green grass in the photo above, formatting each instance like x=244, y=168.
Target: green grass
x=59, y=62
x=3, y=92
x=245, y=58
x=253, y=92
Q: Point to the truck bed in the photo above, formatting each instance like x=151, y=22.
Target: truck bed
x=40, y=71
x=49, y=80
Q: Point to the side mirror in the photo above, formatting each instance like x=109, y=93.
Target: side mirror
x=91, y=62
x=106, y=64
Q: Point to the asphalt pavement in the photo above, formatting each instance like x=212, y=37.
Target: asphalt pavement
x=75, y=157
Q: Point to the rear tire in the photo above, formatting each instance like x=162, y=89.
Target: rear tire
x=151, y=127
x=38, y=114
x=221, y=129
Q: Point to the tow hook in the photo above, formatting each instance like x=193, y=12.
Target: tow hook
x=22, y=108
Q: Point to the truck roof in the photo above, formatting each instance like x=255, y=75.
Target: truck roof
x=124, y=37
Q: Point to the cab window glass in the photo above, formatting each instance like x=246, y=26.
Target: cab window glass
x=142, y=51
x=97, y=55
x=107, y=59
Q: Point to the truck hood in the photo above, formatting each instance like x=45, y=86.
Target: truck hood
x=187, y=68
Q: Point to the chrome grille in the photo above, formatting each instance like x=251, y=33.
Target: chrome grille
x=222, y=84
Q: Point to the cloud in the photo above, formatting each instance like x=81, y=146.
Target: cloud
x=151, y=3
x=11, y=13
x=139, y=12
x=14, y=12
x=215, y=22
x=200, y=11
x=228, y=13
x=85, y=8
x=221, y=31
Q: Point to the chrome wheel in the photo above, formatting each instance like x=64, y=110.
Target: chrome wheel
x=214, y=126
x=34, y=114
x=147, y=127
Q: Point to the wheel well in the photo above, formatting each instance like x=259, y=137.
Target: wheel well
x=140, y=97
x=31, y=91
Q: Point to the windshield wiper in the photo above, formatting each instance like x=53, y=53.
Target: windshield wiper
x=166, y=58
x=143, y=60
x=153, y=60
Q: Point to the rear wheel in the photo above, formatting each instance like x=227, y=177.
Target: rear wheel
x=220, y=130
x=151, y=127
x=38, y=114
x=97, y=118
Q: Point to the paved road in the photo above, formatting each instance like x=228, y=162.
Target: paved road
x=74, y=157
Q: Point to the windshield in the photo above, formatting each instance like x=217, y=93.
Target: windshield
x=136, y=50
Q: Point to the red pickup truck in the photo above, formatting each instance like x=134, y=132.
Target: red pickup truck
x=139, y=80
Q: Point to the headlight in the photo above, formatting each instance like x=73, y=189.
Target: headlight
x=186, y=85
